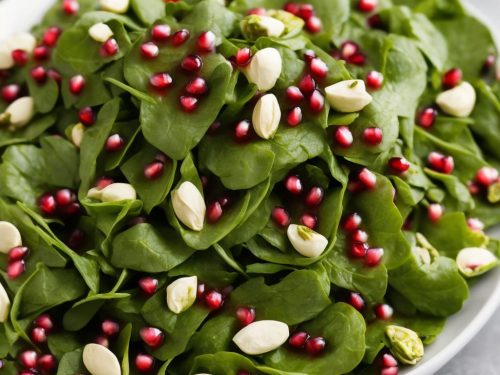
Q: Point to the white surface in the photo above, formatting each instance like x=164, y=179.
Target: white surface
x=20, y=15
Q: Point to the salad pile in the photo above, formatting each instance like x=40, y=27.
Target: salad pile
x=257, y=187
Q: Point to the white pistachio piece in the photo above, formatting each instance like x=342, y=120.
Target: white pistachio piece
x=77, y=132
x=405, y=344
x=100, y=32
x=6, y=60
x=181, y=294
x=458, y=101
x=264, y=68
x=9, y=237
x=118, y=191
x=20, y=112
x=306, y=241
x=474, y=261
x=189, y=205
x=266, y=116
x=115, y=6
x=348, y=96
x=255, y=26
x=261, y=337
x=4, y=305
x=24, y=41
x=99, y=360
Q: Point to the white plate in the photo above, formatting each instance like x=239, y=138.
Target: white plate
x=19, y=15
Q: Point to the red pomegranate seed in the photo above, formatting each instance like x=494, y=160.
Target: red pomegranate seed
x=152, y=336
x=153, y=170
x=109, y=48
x=281, y=216
x=191, y=63
x=309, y=220
x=358, y=249
x=389, y=361
x=180, y=37
x=28, y=359
x=306, y=11
x=452, y=78
x=47, y=204
x=475, y=224
x=200, y=291
x=197, y=86
x=309, y=55
x=348, y=49
x=373, y=256
x=427, y=117
x=206, y=41
x=148, y=285
x=71, y=7
x=20, y=57
x=389, y=371
x=214, y=300
x=356, y=301
x=399, y=164
x=315, y=345
x=245, y=315
x=314, y=24
x=39, y=74
x=51, y=35
x=434, y=212
x=318, y=68
x=473, y=187
x=64, y=197
x=294, y=94
x=359, y=235
x=440, y=162
x=307, y=84
x=149, y=50
x=77, y=84
x=292, y=8
x=114, y=143
x=55, y=75
x=160, y=81
x=372, y=135
x=257, y=12
x=160, y=33
x=44, y=321
x=47, y=363
x=343, y=136
x=298, y=340
x=486, y=176
x=72, y=209
x=188, y=103
x=367, y=6
x=242, y=130
x=352, y=222
x=293, y=184
x=315, y=196
x=243, y=56
x=76, y=239
x=489, y=62
x=102, y=340
x=17, y=253
x=104, y=181
x=294, y=116
x=214, y=212
x=11, y=92
x=367, y=178
x=316, y=101
x=38, y=335
x=110, y=328
x=384, y=311
x=87, y=116
x=224, y=201
x=375, y=22
x=358, y=59
x=41, y=53
x=374, y=79
x=144, y=362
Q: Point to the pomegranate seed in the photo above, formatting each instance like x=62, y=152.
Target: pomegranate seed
x=352, y=222
x=47, y=363
x=298, y=340
x=293, y=184
x=114, y=143
x=160, y=81
x=358, y=59
x=316, y=101
x=152, y=336
x=77, y=84
x=315, y=196
x=160, y=33
x=51, y=35
x=110, y=328
x=359, y=235
x=314, y=24
x=200, y=291
x=87, y=116
x=47, y=204
x=39, y=74
x=242, y=130
x=372, y=135
x=144, y=362
x=294, y=94
x=188, y=103
x=109, y=48
x=243, y=56
x=214, y=300
x=257, y=12
x=38, y=335
x=281, y=216
x=180, y=37
x=20, y=57
x=373, y=256
x=367, y=6
x=309, y=55
x=224, y=201
x=17, y=253
x=294, y=116
x=389, y=371
x=148, y=285
x=427, y=117
x=475, y=224
x=245, y=315
x=452, y=78
x=306, y=11
x=318, y=68
x=375, y=22
x=64, y=197
x=102, y=182
x=72, y=209
x=149, y=50
x=206, y=41
x=367, y=178
x=358, y=249
x=356, y=301
x=28, y=359
x=153, y=170
x=309, y=220
x=374, y=79
x=399, y=164
x=197, y=86
x=214, y=212
x=71, y=7
x=348, y=49
x=160, y=156
x=307, y=84
x=41, y=53
x=44, y=321
x=292, y=8
x=486, y=176
x=440, y=162
x=11, y=92
x=76, y=239
x=389, y=361
x=102, y=340
x=192, y=63
x=55, y=75
x=384, y=311
x=473, y=187
x=315, y=345
x=434, y=212
x=489, y=62
x=343, y=136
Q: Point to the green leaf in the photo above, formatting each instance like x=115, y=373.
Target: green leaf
x=71, y=363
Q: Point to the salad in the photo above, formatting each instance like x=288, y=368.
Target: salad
x=257, y=187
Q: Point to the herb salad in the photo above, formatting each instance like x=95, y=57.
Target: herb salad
x=256, y=187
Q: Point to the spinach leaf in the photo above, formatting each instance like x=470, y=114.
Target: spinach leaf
x=71, y=363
